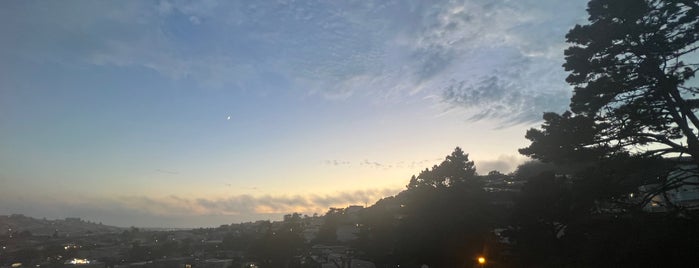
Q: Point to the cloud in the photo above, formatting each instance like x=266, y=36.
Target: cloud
x=359, y=197
x=385, y=50
x=249, y=204
x=504, y=164
x=509, y=93
x=498, y=59
x=181, y=211
x=385, y=165
x=195, y=20
x=172, y=172
x=366, y=162
x=336, y=162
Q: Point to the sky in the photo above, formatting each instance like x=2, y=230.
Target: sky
x=202, y=113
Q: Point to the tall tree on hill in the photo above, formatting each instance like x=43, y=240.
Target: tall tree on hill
x=455, y=169
x=441, y=219
x=632, y=68
x=328, y=231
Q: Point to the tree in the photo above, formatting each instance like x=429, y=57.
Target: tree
x=565, y=139
x=328, y=231
x=633, y=101
x=541, y=214
x=25, y=234
x=531, y=168
x=455, y=169
x=441, y=219
x=634, y=105
x=630, y=67
x=277, y=247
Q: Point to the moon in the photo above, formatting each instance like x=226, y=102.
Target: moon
x=228, y=118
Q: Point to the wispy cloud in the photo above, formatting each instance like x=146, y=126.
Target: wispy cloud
x=510, y=93
x=172, y=172
x=500, y=59
x=497, y=59
x=366, y=162
x=503, y=163
x=336, y=162
x=385, y=164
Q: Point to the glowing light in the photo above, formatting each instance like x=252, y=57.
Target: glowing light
x=79, y=261
x=481, y=260
x=228, y=118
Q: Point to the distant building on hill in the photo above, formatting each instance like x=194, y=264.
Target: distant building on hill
x=683, y=191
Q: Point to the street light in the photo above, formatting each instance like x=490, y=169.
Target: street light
x=481, y=261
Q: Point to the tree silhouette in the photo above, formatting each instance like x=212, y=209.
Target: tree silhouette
x=630, y=67
x=327, y=233
x=633, y=107
x=541, y=217
x=455, y=169
x=441, y=219
x=567, y=138
x=278, y=247
x=632, y=102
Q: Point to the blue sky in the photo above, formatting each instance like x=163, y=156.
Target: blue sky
x=199, y=113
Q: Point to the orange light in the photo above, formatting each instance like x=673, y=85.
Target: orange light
x=481, y=260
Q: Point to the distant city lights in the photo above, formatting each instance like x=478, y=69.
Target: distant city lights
x=78, y=261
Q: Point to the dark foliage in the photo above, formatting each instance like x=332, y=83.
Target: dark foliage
x=632, y=115
x=442, y=219
x=630, y=66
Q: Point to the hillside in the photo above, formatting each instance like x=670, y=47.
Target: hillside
x=17, y=223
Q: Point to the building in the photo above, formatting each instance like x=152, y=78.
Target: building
x=682, y=190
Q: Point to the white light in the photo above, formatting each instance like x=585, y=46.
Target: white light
x=79, y=261
x=229, y=118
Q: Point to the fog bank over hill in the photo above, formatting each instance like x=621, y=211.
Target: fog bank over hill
x=17, y=224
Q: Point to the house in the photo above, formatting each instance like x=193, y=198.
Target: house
x=682, y=190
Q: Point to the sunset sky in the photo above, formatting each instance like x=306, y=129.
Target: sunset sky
x=201, y=113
